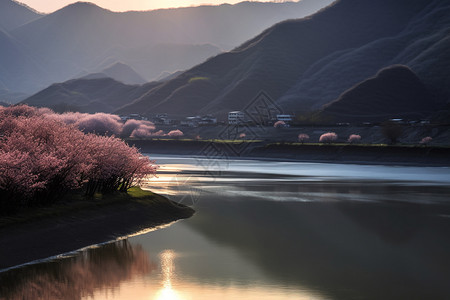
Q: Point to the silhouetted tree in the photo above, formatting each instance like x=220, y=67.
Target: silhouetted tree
x=392, y=131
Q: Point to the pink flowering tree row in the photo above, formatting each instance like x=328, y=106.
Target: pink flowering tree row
x=107, y=124
x=42, y=158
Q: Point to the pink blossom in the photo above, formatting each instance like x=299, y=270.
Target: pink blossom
x=41, y=157
x=143, y=131
x=100, y=123
x=354, y=138
x=279, y=124
x=145, y=128
x=426, y=140
x=175, y=133
x=303, y=137
x=328, y=137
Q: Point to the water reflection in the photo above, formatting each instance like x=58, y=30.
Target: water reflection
x=77, y=277
x=168, y=270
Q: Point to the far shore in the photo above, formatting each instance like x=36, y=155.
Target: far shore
x=402, y=155
x=25, y=241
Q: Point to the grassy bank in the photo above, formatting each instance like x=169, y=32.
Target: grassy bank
x=76, y=202
x=78, y=222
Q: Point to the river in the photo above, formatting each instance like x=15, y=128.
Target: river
x=270, y=230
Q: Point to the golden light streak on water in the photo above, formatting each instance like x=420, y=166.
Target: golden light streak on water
x=168, y=272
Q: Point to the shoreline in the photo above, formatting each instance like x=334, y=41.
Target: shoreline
x=49, y=237
x=314, y=153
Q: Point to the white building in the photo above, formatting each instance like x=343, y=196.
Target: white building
x=285, y=118
x=236, y=117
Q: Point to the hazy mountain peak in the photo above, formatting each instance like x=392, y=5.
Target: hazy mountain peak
x=14, y=14
x=124, y=73
x=82, y=7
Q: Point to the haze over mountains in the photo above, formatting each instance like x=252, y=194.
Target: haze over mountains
x=13, y=15
x=120, y=72
x=305, y=64
x=84, y=38
x=89, y=95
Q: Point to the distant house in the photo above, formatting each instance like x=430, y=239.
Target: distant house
x=236, y=117
x=208, y=120
x=132, y=117
x=285, y=118
x=199, y=121
x=191, y=121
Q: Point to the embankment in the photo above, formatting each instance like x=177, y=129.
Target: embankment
x=71, y=229
x=338, y=153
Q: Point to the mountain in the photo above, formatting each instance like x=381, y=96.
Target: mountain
x=88, y=95
x=306, y=63
x=119, y=72
x=420, y=45
x=395, y=92
x=14, y=14
x=156, y=60
x=442, y=116
x=18, y=70
x=81, y=37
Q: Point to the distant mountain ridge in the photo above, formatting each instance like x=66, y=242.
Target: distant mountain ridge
x=305, y=64
x=88, y=95
x=81, y=37
x=119, y=72
x=355, y=60
x=14, y=14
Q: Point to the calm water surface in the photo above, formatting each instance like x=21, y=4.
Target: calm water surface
x=270, y=230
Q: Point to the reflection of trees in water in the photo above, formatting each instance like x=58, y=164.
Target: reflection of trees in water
x=79, y=276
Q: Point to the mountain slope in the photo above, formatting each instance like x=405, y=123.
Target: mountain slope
x=18, y=70
x=88, y=95
x=82, y=36
x=119, y=72
x=278, y=57
x=395, y=92
x=422, y=45
x=14, y=14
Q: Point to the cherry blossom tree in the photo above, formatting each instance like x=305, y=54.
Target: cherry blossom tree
x=279, y=124
x=100, y=123
x=328, y=137
x=42, y=158
x=137, y=128
x=354, y=138
x=303, y=137
x=426, y=140
x=175, y=133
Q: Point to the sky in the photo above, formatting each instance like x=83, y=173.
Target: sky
x=48, y=6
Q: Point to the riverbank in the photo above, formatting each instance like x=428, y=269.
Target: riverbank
x=331, y=153
x=46, y=232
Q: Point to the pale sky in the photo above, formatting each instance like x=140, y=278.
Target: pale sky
x=47, y=6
